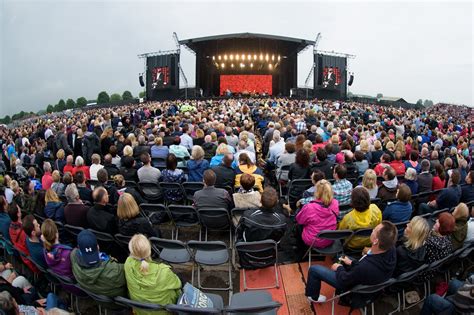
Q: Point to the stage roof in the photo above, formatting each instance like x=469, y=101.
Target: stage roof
x=195, y=43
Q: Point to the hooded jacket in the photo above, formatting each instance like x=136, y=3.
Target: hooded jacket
x=316, y=217
x=408, y=260
x=196, y=170
x=90, y=145
x=159, y=285
x=106, y=278
x=54, y=211
x=355, y=220
x=388, y=190
x=460, y=233
x=252, y=170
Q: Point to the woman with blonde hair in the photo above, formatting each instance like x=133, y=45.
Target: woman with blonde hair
x=369, y=182
x=377, y=153
x=149, y=281
x=411, y=254
x=106, y=140
x=318, y=215
x=221, y=150
x=60, y=160
x=57, y=186
x=158, y=150
x=400, y=146
x=461, y=215
x=197, y=164
x=54, y=208
x=130, y=221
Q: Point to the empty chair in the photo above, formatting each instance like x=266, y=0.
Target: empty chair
x=151, y=191
x=211, y=254
x=338, y=236
x=104, y=302
x=256, y=255
x=171, y=251
x=171, y=192
x=123, y=240
x=73, y=230
x=190, y=188
x=215, y=219
x=157, y=213
x=254, y=302
x=296, y=189
x=183, y=216
x=218, y=305
x=120, y=300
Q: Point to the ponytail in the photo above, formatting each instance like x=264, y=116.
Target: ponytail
x=144, y=266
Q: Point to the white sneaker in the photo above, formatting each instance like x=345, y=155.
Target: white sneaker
x=321, y=299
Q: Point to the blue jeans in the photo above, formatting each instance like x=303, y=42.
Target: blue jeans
x=52, y=301
x=316, y=274
x=436, y=304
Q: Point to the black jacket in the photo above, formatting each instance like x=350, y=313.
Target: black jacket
x=324, y=166
x=225, y=176
x=408, y=260
x=137, y=225
x=100, y=218
x=298, y=172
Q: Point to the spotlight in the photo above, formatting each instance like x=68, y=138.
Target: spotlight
x=278, y=57
x=273, y=57
x=261, y=57
x=251, y=65
x=254, y=57
x=231, y=65
x=225, y=57
x=270, y=66
x=219, y=57
x=242, y=65
x=213, y=57
x=231, y=57
x=249, y=57
x=237, y=57
x=266, y=57
x=243, y=57
x=222, y=65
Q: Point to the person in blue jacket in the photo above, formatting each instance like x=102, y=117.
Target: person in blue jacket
x=197, y=164
x=400, y=210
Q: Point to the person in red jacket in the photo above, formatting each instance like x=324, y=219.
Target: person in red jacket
x=384, y=163
x=398, y=164
x=18, y=236
x=69, y=167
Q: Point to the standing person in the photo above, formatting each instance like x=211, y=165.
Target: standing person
x=149, y=281
x=374, y=268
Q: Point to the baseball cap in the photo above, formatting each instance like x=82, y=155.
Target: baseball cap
x=87, y=243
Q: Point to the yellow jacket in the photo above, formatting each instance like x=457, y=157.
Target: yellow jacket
x=355, y=220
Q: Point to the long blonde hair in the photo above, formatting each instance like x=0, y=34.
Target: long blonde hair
x=140, y=249
x=420, y=230
x=369, y=180
x=49, y=233
x=51, y=196
x=127, y=207
x=324, y=192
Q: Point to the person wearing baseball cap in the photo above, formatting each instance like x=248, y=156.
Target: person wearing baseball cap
x=95, y=271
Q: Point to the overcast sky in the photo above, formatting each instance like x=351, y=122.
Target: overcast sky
x=67, y=49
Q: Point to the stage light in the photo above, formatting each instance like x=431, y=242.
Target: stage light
x=225, y=57
x=251, y=65
x=278, y=57
x=219, y=57
x=273, y=57
x=249, y=57
x=243, y=57
x=231, y=65
x=270, y=66
x=222, y=65
x=231, y=57
x=237, y=57
x=261, y=57
x=254, y=57
x=266, y=57
x=242, y=65
x=213, y=57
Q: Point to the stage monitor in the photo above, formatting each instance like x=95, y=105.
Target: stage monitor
x=162, y=74
x=246, y=84
x=330, y=75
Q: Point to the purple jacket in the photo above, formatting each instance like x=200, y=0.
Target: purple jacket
x=315, y=217
x=59, y=261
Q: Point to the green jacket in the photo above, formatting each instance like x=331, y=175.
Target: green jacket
x=460, y=233
x=160, y=285
x=107, y=278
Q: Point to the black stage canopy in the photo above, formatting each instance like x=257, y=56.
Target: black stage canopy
x=246, y=63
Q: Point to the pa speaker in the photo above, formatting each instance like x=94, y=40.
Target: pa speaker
x=351, y=80
x=140, y=78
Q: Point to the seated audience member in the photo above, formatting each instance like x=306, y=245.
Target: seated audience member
x=54, y=208
x=342, y=187
x=246, y=196
x=221, y=151
x=209, y=148
x=308, y=194
x=40, y=203
x=411, y=180
x=84, y=192
x=80, y=166
x=364, y=215
x=361, y=162
x=323, y=164
x=57, y=186
x=110, y=167
x=197, y=165
x=467, y=192
x=148, y=173
x=103, y=179
x=4, y=221
x=318, y=215
x=95, y=271
x=179, y=150
x=95, y=167
x=374, y=268
x=382, y=166
x=351, y=167
x=285, y=159
x=401, y=209
x=33, y=233
x=247, y=167
x=172, y=174
x=211, y=197
x=100, y=217
x=438, y=244
x=11, y=303
x=460, y=214
x=47, y=179
x=16, y=285
x=75, y=211
x=389, y=187
x=250, y=224
x=413, y=161
x=369, y=182
x=130, y=221
x=456, y=300
x=425, y=179
x=225, y=174
x=397, y=164
x=447, y=198
x=119, y=183
x=69, y=167
x=18, y=236
x=300, y=169
x=439, y=180
x=158, y=150
x=128, y=170
x=147, y=280
x=411, y=253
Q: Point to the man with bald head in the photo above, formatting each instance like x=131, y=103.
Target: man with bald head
x=100, y=217
x=225, y=174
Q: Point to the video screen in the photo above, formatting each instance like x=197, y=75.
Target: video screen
x=247, y=84
x=331, y=77
x=160, y=77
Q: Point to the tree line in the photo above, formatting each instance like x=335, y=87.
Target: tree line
x=102, y=98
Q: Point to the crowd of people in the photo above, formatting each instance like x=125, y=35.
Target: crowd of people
x=365, y=162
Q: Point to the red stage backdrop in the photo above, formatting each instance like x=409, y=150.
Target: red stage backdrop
x=249, y=83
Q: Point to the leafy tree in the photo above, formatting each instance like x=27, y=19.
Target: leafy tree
x=141, y=94
x=419, y=102
x=127, y=96
x=50, y=108
x=115, y=97
x=61, y=106
x=103, y=98
x=428, y=103
x=6, y=120
x=81, y=102
x=379, y=95
x=70, y=104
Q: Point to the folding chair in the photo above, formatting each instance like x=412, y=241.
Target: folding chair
x=258, y=255
x=337, y=236
x=183, y=216
x=151, y=191
x=167, y=187
x=217, y=219
x=399, y=285
x=361, y=233
x=123, y=240
x=371, y=290
x=73, y=230
x=254, y=302
x=190, y=188
x=159, y=163
x=296, y=189
x=136, y=305
x=69, y=285
x=103, y=302
x=171, y=251
x=218, y=305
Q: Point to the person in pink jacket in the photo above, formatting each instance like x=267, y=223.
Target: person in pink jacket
x=318, y=215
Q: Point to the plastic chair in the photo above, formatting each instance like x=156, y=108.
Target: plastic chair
x=174, y=187
x=254, y=302
x=104, y=302
x=171, y=251
x=123, y=240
